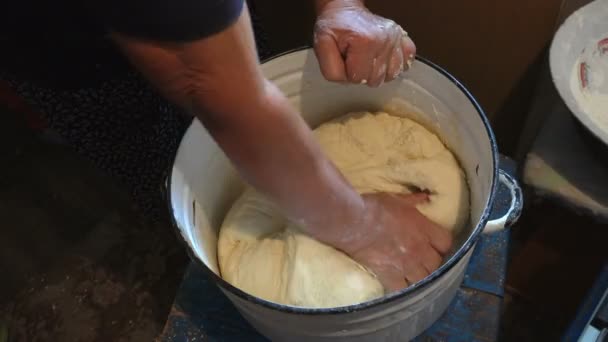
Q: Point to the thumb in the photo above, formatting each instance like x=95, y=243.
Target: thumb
x=330, y=58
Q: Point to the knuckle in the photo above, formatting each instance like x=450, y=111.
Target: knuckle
x=365, y=39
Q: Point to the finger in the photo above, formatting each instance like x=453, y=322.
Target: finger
x=408, y=48
x=330, y=59
x=439, y=237
x=430, y=260
x=392, y=279
x=414, y=271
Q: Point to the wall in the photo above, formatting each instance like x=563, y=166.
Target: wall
x=493, y=47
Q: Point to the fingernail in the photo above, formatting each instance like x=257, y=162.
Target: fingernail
x=398, y=72
x=410, y=60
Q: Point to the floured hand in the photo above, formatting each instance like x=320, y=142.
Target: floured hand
x=395, y=241
x=354, y=45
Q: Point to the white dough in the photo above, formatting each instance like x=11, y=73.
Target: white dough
x=264, y=255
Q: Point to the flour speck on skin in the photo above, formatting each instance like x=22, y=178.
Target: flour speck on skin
x=589, y=82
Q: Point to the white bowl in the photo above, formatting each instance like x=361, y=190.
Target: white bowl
x=585, y=27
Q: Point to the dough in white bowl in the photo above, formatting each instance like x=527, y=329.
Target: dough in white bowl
x=263, y=254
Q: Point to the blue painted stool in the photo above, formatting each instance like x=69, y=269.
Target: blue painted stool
x=201, y=312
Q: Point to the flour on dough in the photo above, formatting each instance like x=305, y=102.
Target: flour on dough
x=263, y=254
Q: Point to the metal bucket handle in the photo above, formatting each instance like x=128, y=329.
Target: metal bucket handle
x=506, y=183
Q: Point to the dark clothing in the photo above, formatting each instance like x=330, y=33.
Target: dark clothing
x=65, y=43
x=56, y=55
x=170, y=20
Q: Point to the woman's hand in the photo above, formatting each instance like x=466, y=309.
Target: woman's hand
x=394, y=240
x=355, y=45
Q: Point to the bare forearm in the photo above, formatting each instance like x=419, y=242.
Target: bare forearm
x=276, y=152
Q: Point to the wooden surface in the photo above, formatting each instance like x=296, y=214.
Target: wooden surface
x=494, y=47
x=544, y=94
x=489, y=45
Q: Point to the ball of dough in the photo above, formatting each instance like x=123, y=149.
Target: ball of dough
x=263, y=254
